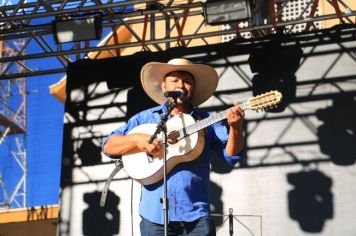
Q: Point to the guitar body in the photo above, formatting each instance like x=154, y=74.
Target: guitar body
x=190, y=141
x=148, y=170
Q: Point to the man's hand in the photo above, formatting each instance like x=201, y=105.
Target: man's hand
x=235, y=143
x=235, y=116
x=154, y=149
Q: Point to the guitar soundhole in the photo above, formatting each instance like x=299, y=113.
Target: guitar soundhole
x=173, y=137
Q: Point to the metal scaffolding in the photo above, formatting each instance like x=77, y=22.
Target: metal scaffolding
x=32, y=22
x=13, y=129
x=29, y=22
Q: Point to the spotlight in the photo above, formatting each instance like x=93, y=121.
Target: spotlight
x=220, y=12
x=77, y=29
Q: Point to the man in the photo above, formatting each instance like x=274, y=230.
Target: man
x=188, y=182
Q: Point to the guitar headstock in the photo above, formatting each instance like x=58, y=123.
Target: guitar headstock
x=264, y=100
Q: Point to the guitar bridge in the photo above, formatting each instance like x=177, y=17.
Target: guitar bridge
x=173, y=137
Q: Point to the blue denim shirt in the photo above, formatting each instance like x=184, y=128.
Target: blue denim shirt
x=187, y=183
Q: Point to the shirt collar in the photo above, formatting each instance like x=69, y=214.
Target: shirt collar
x=163, y=109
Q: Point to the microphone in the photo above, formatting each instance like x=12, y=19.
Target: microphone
x=179, y=93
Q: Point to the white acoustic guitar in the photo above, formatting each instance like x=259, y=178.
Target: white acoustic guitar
x=189, y=140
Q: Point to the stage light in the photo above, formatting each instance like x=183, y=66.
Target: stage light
x=75, y=29
x=220, y=12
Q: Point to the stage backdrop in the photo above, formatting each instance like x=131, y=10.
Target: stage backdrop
x=298, y=176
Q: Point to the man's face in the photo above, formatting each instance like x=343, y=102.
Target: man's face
x=179, y=80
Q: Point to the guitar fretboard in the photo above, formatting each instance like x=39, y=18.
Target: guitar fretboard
x=201, y=124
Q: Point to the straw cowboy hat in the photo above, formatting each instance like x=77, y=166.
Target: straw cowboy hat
x=205, y=79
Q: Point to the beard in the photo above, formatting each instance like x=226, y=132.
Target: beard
x=186, y=99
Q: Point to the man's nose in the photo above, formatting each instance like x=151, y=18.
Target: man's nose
x=180, y=84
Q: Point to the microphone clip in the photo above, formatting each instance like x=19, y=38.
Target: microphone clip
x=178, y=93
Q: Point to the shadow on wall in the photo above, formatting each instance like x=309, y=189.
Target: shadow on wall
x=275, y=67
x=98, y=220
x=89, y=153
x=219, y=166
x=337, y=136
x=216, y=205
x=137, y=100
x=311, y=200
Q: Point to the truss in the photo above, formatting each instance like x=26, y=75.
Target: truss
x=31, y=22
x=13, y=135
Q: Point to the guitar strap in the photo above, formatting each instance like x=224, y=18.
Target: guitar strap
x=104, y=193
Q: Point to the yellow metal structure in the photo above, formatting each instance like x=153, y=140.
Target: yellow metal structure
x=39, y=221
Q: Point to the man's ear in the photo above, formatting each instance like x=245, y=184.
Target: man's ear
x=163, y=85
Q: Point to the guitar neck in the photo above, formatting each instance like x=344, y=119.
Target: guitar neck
x=201, y=124
x=262, y=101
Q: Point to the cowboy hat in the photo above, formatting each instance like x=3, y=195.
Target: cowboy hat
x=205, y=79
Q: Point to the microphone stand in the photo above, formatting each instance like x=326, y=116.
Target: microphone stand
x=161, y=127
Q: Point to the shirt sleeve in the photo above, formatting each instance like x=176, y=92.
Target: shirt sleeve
x=219, y=143
x=122, y=130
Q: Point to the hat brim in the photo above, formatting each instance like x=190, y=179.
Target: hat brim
x=205, y=80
